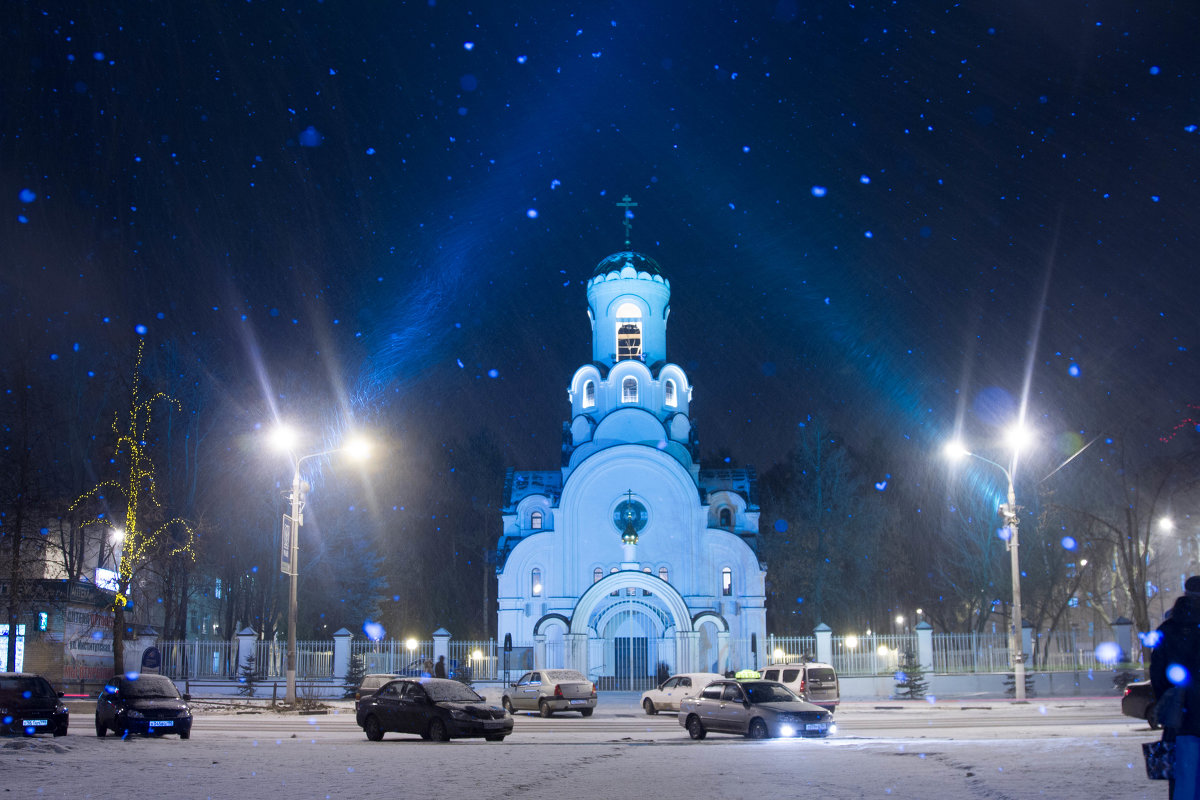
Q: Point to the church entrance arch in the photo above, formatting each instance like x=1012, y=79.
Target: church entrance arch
x=712, y=642
x=625, y=626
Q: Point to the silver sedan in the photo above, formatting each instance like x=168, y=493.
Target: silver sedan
x=757, y=709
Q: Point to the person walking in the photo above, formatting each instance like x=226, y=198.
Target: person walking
x=439, y=669
x=1175, y=663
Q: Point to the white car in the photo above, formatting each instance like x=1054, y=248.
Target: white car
x=674, y=689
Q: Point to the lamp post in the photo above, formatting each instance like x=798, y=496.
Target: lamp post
x=291, y=547
x=1009, y=511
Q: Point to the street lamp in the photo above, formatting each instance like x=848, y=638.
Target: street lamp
x=1017, y=438
x=285, y=439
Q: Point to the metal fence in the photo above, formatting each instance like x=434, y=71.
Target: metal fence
x=394, y=657
x=970, y=652
x=784, y=649
x=199, y=659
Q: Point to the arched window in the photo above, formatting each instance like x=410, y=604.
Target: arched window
x=727, y=582
x=629, y=332
x=589, y=394
x=535, y=520
x=535, y=582
x=597, y=574
x=646, y=592
x=726, y=517
x=662, y=573
x=669, y=393
x=629, y=390
x=614, y=592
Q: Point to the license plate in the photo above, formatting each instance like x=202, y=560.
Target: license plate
x=26, y=723
x=161, y=723
x=577, y=702
x=815, y=726
x=494, y=723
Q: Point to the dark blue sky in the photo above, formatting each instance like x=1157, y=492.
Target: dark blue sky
x=870, y=213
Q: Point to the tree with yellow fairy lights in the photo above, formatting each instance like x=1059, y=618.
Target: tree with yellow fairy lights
x=149, y=535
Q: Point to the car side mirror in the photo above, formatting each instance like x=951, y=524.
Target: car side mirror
x=187, y=698
x=746, y=703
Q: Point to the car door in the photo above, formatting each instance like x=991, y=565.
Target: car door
x=531, y=692
x=681, y=689
x=663, y=698
x=415, y=709
x=518, y=694
x=386, y=706
x=734, y=714
x=708, y=706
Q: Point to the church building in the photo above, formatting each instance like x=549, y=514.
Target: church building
x=629, y=559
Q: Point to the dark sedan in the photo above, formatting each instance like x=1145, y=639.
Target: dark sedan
x=1138, y=701
x=433, y=708
x=757, y=709
x=29, y=705
x=147, y=704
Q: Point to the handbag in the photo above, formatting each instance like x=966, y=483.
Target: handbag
x=1160, y=760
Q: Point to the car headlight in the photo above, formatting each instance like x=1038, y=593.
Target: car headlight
x=459, y=714
x=133, y=713
x=787, y=730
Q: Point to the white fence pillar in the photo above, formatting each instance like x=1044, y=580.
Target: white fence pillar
x=341, y=653
x=441, y=648
x=925, y=645
x=824, y=635
x=246, y=638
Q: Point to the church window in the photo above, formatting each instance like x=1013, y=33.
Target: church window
x=597, y=574
x=669, y=393
x=535, y=582
x=535, y=520
x=614, y=592
x=629, y=390
x=727, y=582
x=629, y=332
x=589, y=394
x=662, y=573
x=726, y=517
x=646, y=592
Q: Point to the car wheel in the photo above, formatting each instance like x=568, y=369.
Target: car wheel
x=185, y=734
x=497, y=738
x=648, y=704
x=1152, y=716
x=508, y=706
x=372, y=729
x=437, y=731
x=62, y=731
x=544, y=708
x=101, y=729
x=587, y=712
x=695, y=728
x=758, y=729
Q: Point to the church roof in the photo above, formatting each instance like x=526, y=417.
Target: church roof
x=618, y=261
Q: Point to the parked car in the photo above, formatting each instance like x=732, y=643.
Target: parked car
x=29, y=705
x=671, y=691
x=1139, y=701
x=433, y=708
x=811, y=680
x=757, y=709
x=147, y=704
x=371, y=684
x=550, y=690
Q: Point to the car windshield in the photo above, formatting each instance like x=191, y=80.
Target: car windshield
x=451, y=691
x=768, y=693
x=12, y=688
x=149, y=686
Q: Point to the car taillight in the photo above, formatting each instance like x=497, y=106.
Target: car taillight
x=558, y=691
x=1128, y=691
x=803, y=685
x=593, y=690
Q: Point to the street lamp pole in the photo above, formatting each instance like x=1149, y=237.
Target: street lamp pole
x=1011, y=518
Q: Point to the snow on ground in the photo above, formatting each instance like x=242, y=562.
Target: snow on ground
x=1057, y=748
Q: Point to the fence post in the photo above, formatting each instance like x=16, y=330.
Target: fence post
x=341, y=653
x=246, y=638
x=441, y=647
x=925, y=645
x=824, y=635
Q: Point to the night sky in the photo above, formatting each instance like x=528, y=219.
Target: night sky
x=886, y=216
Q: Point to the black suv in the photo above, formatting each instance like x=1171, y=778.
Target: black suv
x=29, y=705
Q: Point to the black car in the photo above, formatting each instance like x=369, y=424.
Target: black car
x=1138, y=701
x=148, y=704
x=433, y=708
x=29, y=705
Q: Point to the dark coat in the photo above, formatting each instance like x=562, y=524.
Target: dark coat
x=1180, y=644
x=439, y=669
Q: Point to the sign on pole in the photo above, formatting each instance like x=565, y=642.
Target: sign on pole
x=286, y=548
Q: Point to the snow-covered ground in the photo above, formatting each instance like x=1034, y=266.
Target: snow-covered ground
x=1060, y=748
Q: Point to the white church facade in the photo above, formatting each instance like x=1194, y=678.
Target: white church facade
x=629, y=559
